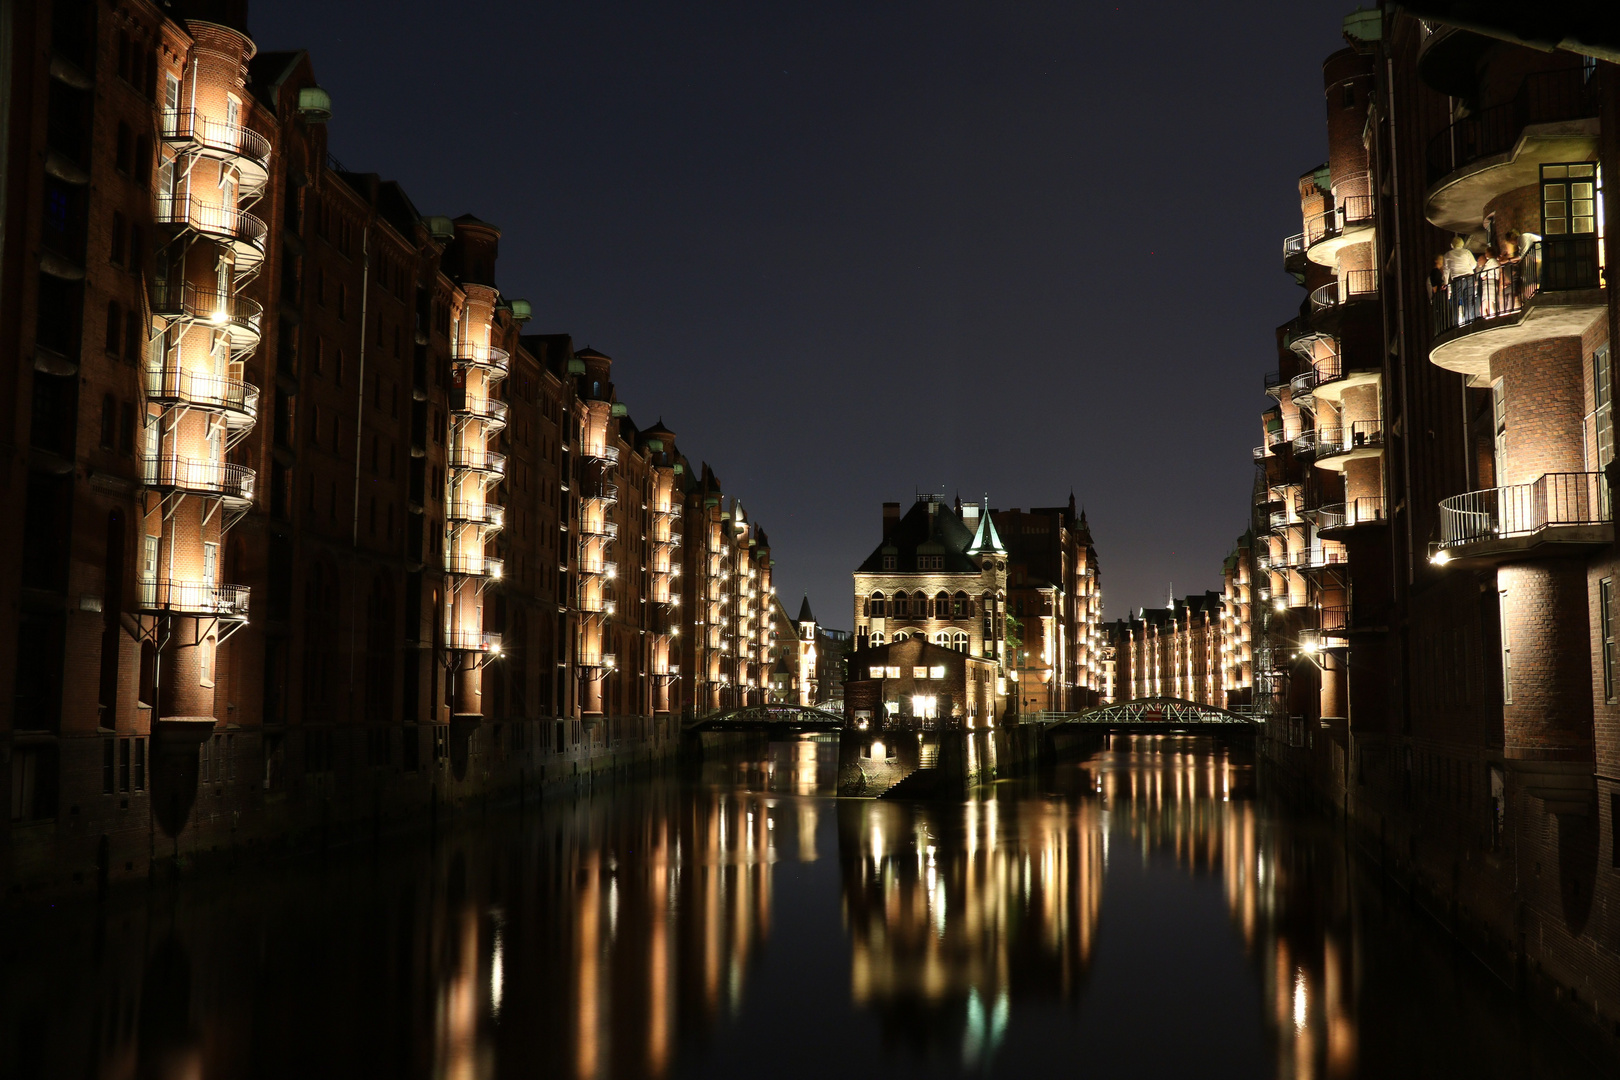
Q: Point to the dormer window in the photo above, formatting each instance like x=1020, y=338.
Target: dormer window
x=888, y=562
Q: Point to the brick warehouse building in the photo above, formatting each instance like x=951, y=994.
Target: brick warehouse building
x=1433, y=641
x=944, y=573
x=307, y=529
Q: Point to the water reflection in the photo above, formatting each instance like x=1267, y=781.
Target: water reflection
x=644, y=932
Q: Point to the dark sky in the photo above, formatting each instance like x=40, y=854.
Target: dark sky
x=850, y=251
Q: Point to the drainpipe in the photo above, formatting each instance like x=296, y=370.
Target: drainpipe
x=359, y=430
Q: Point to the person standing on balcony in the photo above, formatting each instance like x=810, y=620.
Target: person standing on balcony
x=1437, y=276
x=1508, y=278
x=1459, y=264
x=1488, y=273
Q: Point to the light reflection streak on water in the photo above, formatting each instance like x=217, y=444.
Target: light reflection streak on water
x=612, y=937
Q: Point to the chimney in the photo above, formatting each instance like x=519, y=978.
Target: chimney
x=891, y=518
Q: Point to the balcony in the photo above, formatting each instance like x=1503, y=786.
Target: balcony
x=169, y=384
x=485, y=357
x=237, y=229
x=1305, y=445
x=198, y=599
x=606, y=529
x=1258, y=453
x=1368, y=510
x=472, y=641
x=607, y=454
x=607, y=661
x=606, y=568
x=1350, y=222
x=1294, y=254
x=1275, y=381
x=601, y=492
x=468, y=512
x=242, y=147
x=211, y=479
x=236, y=316
x=491, y=412
x=672, y=540
x=1555, y=290
x=1352, y=286
x=470, y=564
x=1552, y=118
x=596, y=605
x=1565, y=511
x=477, y=459
x=1336, y=446
x=1302, y=389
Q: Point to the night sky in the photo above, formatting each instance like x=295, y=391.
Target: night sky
x=853, y=251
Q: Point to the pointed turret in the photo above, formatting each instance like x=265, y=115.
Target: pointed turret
x=805, y=615
x=986, y=541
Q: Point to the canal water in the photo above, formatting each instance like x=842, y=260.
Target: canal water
x=1144, y=912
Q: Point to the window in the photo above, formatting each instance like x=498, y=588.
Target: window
x=877, y=638
x=875, y=607
x=919, y=672
x=959, y=641
x=171, y=102
x=891, y=671
x=888, y=562
x=1606, y=627
x=124, y=149
x=205, y=660
x=210, y=563
x=876, y=671
x=1349, y=96
x=942, y=606
x=115, y=328
x=1499, y=425
x=1569, y=199
x=1603, y=409
x=1507, y=648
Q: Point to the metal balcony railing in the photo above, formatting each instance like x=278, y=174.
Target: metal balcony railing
x=169, y=384
x=238, y=316
x=1362, y=511
x=608, y=454
x=1523, y=509
x=600, y=660
x=1359, y=435
x=472, y=641
x=1278, y=518
x=1275, y=381
x=1302, y=388
x=483, y=356
x=602, y=492
x=1543, y=98
x=197, y=598
x=1555, y=263
x=1276, y=437
x=602, y=528
x=1293, y=249
x=1333, y=620
x=600, y=568
x=490, y=410
x=1305, y=443
x=216, y=136
x=235, y=227
x=596, y=605
x=468, y=512
x=1351, y=285
x=473, y=565
x=1258, y=453
x=199, y=477
x=478, y=459
x=1351, y=210
x=672, y=540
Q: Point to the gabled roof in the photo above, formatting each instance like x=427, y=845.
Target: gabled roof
x=940, y=532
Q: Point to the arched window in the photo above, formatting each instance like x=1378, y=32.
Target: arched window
x=961, y=606
x=959, y=641
x=877, y=638
x=875, y=606
x=942, y=606
x=942, y=638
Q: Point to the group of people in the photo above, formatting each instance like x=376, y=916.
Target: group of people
x=1467, y=287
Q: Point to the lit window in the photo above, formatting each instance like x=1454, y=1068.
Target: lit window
x=919, y=672
x=891, y=671
x=937, y=671
x=877, y=671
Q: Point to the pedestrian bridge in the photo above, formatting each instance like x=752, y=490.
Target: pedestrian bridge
x=783, y=719
x=1156, y=714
